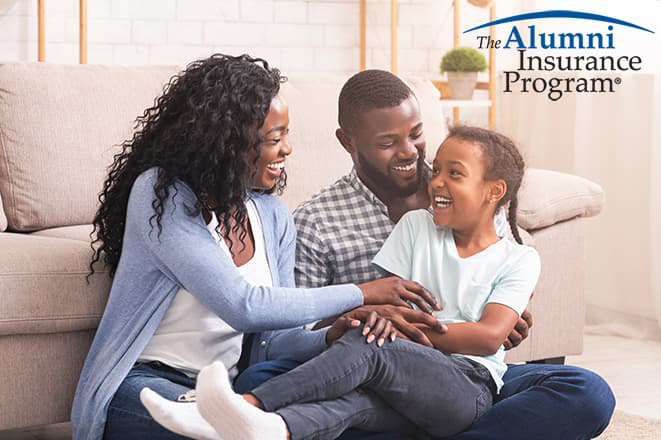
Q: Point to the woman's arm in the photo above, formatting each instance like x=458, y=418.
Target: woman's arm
x=187, y=254
x=300, y=344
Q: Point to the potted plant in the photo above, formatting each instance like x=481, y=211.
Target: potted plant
x=462, y=65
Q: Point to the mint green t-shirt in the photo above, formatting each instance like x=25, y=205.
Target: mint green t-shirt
x=505, y=273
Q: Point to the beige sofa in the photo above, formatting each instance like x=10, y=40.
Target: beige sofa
x=59, y=126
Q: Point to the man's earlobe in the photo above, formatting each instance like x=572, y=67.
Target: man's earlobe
x=345, y=140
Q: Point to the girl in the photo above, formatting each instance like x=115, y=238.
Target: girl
x=187, y=229
x=483, y=281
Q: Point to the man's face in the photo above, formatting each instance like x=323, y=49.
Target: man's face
x=388, y=148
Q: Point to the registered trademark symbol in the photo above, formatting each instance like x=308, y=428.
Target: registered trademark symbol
x=618, y=80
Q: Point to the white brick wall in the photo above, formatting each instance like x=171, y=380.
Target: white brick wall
x=298, y=36
x=149, y=32
x=291, y=12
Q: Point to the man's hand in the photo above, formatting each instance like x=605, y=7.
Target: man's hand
x=520, y=331
x=398, y=292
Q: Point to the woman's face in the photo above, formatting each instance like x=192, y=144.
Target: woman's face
x=275, y=147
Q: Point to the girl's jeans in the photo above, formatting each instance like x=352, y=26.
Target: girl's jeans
x=403, y=387
x=541, y=402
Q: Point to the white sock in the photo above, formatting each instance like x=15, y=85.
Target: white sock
x=229, y=413
x=180, y=417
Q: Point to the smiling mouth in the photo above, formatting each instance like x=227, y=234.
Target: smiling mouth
x=442, y=202
x=405, y=168
x=276, y=165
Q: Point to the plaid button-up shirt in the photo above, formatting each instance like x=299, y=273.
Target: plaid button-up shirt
x=341, y=229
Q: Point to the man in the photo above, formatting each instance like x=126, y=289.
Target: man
x=341, y=228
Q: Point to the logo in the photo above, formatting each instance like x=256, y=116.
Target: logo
x=533, y=37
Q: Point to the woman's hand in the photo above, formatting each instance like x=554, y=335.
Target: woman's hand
x=398, y=292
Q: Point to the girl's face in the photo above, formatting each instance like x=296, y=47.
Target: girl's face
x=275, y=147
x=460, y=197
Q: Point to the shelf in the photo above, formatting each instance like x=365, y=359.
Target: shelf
x=466, y=103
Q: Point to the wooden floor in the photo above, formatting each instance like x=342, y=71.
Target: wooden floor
x=631, y=367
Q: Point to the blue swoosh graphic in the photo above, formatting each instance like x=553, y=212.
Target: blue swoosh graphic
x=559, y=14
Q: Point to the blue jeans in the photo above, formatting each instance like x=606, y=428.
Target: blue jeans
x=128, y=419
x=539, y=402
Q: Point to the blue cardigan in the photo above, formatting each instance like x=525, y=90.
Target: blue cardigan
x=152, y=269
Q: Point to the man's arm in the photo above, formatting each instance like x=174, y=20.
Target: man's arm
x=520, y=331
x=313, y=264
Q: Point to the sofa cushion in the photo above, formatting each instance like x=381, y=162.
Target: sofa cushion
x=78, y=233
x=3, y=219
x=43, y=287
x=548, y=197
x=59, y=127
x=318, y=159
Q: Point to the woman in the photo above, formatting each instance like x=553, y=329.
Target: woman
x=200, y=253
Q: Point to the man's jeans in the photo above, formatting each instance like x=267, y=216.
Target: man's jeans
x=553, y=402
x=127, y=417
x=404, y=386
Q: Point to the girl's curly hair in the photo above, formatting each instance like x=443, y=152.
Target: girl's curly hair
x=200, y=131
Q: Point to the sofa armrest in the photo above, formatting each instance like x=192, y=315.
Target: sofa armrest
x=558, y=308
x=547, y=197
x=3, y=218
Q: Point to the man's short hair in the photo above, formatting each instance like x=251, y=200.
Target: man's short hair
x=367, y=90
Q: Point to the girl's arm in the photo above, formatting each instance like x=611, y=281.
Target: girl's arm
x=506, y=302
x=482, y=338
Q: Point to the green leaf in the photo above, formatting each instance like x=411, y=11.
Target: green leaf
x=463, y=59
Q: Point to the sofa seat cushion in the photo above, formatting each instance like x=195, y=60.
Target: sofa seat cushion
x=43, y=287
x=59, y=128
x=547, y=197
x=78, y=233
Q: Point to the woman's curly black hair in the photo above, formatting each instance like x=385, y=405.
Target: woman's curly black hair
x=200, y=131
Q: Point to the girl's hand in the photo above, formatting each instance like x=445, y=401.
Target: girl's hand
x=402, y=322
x=398, y=292
x=341, y=325
x=376, y=327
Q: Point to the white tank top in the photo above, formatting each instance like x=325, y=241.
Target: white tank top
x=190, y=336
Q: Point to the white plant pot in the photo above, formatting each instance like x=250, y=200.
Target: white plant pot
x=462, y=84
x=480, y=3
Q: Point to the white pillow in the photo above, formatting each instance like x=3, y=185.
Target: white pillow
x=547, y=197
